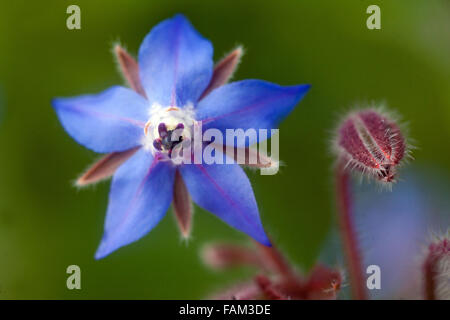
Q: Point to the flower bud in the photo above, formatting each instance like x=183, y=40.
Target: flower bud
x=370, y=142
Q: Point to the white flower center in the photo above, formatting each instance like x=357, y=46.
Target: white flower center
x=167, y=128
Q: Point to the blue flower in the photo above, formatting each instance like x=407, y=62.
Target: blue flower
x=175, y=87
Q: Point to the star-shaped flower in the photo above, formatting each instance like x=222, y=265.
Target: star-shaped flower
x=175, y=88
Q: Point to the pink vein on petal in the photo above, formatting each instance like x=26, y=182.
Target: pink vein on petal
x=177, y=53
x=136, y=195
x=225, y=195
x=134, y=122
x=245, y=109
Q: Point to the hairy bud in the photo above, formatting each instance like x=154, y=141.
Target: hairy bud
x=370, y=142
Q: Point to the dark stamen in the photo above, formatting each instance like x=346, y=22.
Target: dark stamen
x=168, y=138
x=162, y=130
x=157, y=144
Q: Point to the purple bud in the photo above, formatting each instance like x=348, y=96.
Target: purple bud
x=372, y=143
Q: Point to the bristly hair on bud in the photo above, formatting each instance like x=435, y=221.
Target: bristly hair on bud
x=436, y=269
x=370, y=141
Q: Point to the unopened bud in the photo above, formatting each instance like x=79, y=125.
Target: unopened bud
x=371, y=142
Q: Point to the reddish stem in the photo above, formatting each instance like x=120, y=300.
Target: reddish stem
x=348, y=234
x=276, y=260
x=430, y=277
x=436, y=252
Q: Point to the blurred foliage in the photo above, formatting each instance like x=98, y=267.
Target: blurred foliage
x=47, y=224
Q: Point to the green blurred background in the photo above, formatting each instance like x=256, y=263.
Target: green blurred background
x=47, y=224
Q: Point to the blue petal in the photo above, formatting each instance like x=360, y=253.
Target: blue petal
x=175, y=63
x=248, y=104
x=141, y=192
x=225, y=190
x=110, y=121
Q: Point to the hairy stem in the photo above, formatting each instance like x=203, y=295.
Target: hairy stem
x=430, y=277
x=348, y=234
x=277, y=262
x=435, y=265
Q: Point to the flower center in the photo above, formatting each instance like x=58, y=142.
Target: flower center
x=168, y=128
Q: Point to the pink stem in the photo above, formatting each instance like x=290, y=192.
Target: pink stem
x=276, y=260
x=348, y=234
x=436, y=252
x=430, y=277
